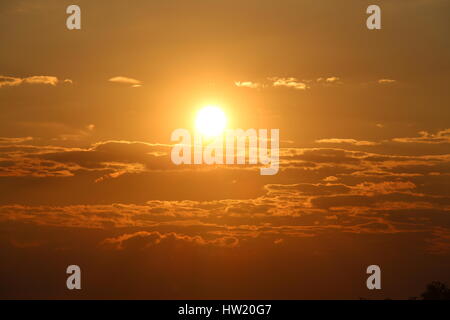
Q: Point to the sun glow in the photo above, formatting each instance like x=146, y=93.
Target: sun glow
x=210, y=121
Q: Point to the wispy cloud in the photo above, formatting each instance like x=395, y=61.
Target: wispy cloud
x=144, y=239
x=15, y=140
x=248, y=84
x=126, y=80
x=442, y=136
x=348, y=141
x=289, y=82
x=329, y=80
x=293, y=83
x=15, y=81
x=386, y=81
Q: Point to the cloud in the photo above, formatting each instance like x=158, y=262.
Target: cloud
x=330, y=179
x=347, y=141
x=113, y=158
x=284, y=211
x=248, y=84
x=296, y=83
x=41, y=80
x=440, y=137
x=15, y=140
x=386, y=81
x=144, y=239
x=9, y=81
x=14, y=81
x=329, y=80
x=376, y=194
x=332, y=79
x=309, y=189
x=385, y=187
x=126, y=80
x=366, y=191
x=291, y=82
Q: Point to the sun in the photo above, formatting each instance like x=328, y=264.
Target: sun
x=210, y=121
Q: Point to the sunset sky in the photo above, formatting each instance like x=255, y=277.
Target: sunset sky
x=86, y=176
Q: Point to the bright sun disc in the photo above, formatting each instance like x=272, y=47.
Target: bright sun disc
x=211, y=121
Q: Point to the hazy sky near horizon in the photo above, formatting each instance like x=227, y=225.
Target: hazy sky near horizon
x=85, y=171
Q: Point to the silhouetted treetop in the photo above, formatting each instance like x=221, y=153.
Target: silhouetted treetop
x=436, y=291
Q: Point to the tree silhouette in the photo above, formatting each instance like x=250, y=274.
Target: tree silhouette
x=436, y=291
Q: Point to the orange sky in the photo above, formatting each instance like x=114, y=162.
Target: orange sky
x=85, y=170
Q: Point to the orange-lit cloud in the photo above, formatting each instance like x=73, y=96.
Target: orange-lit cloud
x=440, y=137
x=248, y=84
x=386, y=81
x=144, y=239
x=15, y=81
x=126, y=80
x=348, y=141
x=291, y=82
x=329, y=80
